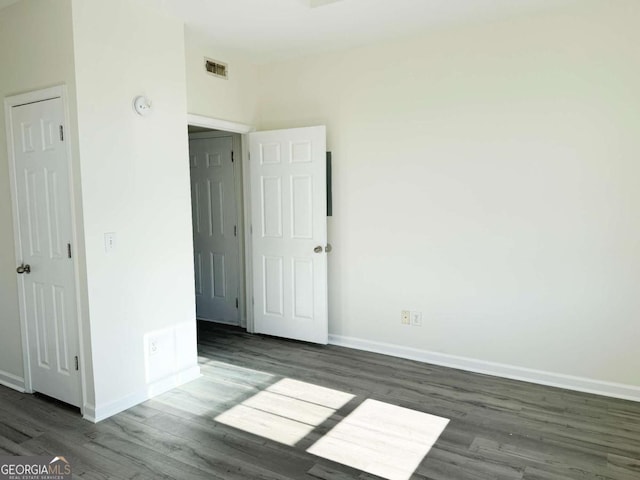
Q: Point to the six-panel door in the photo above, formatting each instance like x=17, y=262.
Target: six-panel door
x=44, y=218
x=215, y=241
x=289, y=233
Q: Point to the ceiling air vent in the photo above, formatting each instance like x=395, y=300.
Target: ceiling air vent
x=216, y=68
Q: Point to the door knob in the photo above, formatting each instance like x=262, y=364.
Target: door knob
x=318, y=249
x=24, y=268
x=328, y=248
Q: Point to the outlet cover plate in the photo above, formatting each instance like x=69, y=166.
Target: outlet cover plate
x=153, y=347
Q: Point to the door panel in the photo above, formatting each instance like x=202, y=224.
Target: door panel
x=272, y=207
x=44, y=220
x=288, y=192
x=215, y=241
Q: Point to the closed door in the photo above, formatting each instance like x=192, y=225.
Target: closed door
x=215, y=229
x=46, y=269
x=289, y=233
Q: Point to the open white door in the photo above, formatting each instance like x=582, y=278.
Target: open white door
x=289, y=233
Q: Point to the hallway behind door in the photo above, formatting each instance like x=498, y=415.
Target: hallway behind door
x=215, y=227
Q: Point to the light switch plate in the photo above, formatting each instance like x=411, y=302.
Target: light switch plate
x=109, y=242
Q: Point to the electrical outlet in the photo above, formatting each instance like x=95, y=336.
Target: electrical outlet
x=153, y=346
x=405, y=317
x=416, y=319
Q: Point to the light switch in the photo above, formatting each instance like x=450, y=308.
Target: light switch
x=109, y=242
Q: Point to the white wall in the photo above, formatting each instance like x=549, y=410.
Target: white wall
x=135, y=180
x=488, y=177
x=233, y=99
x=36, y=51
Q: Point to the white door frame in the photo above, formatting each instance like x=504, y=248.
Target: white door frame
x=58, y=91
x=243, y=130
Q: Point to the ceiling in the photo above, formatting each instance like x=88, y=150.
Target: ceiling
x=269, y=30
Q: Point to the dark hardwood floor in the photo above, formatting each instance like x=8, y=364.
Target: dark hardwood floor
x=498, y=429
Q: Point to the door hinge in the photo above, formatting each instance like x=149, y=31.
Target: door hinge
x=77, y=365
x=235, y=230
x=251, y=229
x=232, y=159
x=249, y=154
x=61, y=133
x=236, y=302
x=69, y=250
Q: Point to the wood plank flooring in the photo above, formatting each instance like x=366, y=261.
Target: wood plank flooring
x=498, y=429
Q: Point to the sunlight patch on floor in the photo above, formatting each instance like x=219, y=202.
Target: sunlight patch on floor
x=286, y=411
x=381, y=439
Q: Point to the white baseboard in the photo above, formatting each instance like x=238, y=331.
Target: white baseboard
x=89, y=412
x=580, y=384
x=12, y=381
x=98, y=413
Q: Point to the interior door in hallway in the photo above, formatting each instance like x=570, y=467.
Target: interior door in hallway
x=46, y=272
x=215, y=228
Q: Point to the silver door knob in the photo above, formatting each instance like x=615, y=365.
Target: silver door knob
x=328, y=248
x=318, y=249
x=24, y=269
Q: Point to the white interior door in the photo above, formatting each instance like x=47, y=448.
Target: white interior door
x=47, y=283
x=215, y=229
x=289, y=233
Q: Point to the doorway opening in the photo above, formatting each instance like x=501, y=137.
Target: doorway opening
x=279, y=232
x=218, y=225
